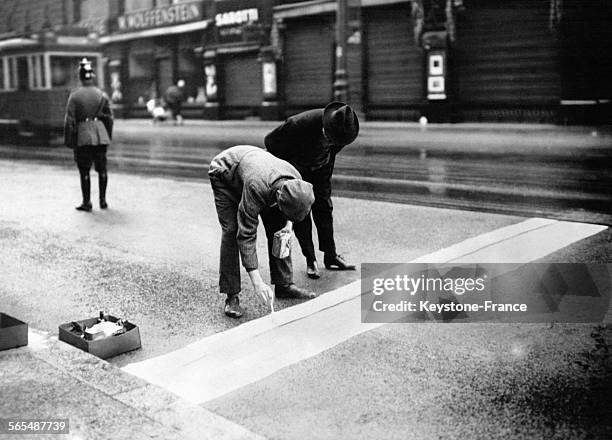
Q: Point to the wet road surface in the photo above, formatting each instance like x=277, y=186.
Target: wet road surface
x=547, y=171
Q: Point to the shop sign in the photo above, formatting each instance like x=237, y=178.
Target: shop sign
x=234, y=18
x=269, y=79
x=167, y=16
x=239, y=21
x=97, y=25
x=231, y=25
x=211, y=88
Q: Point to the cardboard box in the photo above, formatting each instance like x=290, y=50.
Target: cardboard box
x=106, y=347
x=13, y=332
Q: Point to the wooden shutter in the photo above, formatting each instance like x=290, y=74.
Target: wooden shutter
x=309, y=61
x=506, y=55
x=394, y=61
x=242, y=73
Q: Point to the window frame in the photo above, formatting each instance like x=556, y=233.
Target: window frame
x=38, y=75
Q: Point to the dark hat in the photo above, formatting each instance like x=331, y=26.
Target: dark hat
x=85, y=70
x=340, y=123
x=295, y=198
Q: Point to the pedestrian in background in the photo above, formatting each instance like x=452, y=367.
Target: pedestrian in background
x=248, y=182
x=310, y=141
x=174, y=98
x=88, y=130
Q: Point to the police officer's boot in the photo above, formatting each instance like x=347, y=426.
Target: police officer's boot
x=86, y=192
x=102, y=182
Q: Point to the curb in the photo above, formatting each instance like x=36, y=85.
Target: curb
x=172, y=415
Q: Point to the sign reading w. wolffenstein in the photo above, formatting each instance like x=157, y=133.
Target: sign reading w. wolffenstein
x=166, y=16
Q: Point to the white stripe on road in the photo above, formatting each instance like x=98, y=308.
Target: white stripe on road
x=227, y=361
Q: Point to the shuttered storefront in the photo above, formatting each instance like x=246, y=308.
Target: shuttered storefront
x=308, y=63
x=506, y=62
x=242, y=85
x=394, y=64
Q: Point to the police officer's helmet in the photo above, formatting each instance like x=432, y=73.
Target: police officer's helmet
x=86, y=71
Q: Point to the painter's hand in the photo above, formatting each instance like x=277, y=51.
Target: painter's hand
x=265, y=292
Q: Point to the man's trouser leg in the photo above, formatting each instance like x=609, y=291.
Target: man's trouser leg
x=281, y=269
x=322, y=209
x=303, y=233
x=226, y=204
x=303, y=229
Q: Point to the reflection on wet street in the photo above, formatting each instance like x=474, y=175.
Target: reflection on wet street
x=462, y=169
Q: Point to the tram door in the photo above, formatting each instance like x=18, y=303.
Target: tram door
x=163, y=67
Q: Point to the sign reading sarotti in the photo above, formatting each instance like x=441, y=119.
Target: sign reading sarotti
x=166, y=16
x=232, y=18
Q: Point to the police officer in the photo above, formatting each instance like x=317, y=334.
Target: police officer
x=310, y=141
x=88, y=128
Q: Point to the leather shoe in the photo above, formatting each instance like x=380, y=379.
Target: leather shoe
x=84, y=207
x=103, y=204
x=336, y=262
x=292, y=291
x=312, y=270
x=233, y=308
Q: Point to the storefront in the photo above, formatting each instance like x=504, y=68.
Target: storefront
x=506, y=62
x=462, y=60
x=384, y=59
x=308, y=67
x=233, y=59
x=394, y=75
x=150, y=49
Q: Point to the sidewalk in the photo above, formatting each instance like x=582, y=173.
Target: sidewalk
x=51, y=379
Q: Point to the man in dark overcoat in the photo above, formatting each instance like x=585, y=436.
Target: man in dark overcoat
x=248, y=182
x=88, y=130
x=310, y=141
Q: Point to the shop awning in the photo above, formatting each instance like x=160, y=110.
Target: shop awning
x=169, y=30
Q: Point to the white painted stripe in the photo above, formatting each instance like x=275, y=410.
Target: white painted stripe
x=227, y=361
x=533, y=245
x=485, y=240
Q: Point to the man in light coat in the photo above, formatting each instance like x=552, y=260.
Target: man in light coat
x=247, y=183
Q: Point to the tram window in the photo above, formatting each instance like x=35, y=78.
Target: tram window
x=43, y=71
x=2, y=76
x=22, y=73
x=64, y=71
x=11, y=71
x=35, y=72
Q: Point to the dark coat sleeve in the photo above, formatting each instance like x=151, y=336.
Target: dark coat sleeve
x=281, y=141
x=70, y=124
x=296, y=136
x=106, y=115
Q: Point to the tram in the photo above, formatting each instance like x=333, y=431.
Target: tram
x=37, y=73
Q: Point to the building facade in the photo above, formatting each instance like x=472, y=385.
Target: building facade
x=449, y=60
